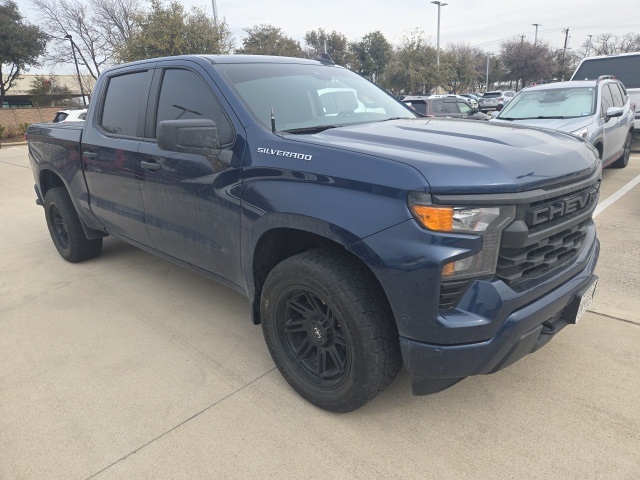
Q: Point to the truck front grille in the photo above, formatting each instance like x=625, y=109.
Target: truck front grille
x=546, y=235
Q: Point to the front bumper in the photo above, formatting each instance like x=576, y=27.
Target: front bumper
x=435, y=367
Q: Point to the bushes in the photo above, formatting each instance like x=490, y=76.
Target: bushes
x=13, y=131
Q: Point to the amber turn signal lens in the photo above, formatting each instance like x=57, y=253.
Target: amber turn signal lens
x=434, y=218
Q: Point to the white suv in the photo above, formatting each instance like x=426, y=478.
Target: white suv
x=491, y=100
x=73, y=115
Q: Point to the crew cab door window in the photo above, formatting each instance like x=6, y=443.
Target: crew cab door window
x=123, y=104
x=184, y=95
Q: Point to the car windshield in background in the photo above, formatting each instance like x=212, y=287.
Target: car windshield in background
x=492, y=95
x=551, y=103
x=308, y=98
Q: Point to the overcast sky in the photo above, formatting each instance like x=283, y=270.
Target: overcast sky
x=479, y=23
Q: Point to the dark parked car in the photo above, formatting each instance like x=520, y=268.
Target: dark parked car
x=449, y=106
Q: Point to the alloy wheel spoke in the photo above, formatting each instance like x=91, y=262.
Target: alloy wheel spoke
x=304, y=349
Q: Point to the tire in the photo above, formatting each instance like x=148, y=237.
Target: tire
x=65, y=228
x=623, y=161
x=329, y=329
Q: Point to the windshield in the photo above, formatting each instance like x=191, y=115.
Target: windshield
x=551, y=103
x=307, y=97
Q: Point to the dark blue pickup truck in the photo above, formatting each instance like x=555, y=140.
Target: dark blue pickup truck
x=364, y=235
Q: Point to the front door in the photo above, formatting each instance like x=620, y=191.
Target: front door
x=192, y=204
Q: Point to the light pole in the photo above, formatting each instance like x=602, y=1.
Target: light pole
x=215, y=12
x=75, y=60
x=440, y=4
x=535, y=40
x=589, y=45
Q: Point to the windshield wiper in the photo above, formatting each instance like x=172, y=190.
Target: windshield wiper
x=539, y=117
x=316, y=129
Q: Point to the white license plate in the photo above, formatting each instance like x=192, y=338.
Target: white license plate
x=585, y=301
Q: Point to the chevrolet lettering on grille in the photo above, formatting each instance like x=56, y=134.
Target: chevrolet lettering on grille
x=561, y=207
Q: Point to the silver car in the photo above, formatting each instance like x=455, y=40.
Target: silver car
x=491, y=100
x=597, y=110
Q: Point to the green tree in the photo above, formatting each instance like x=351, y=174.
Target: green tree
x=463, y=67
x=373, y=53
x=336, y=43
x=526, y=62
x=47, y=91
x=412, y=68
x=269, y=40
x=21, y=45
x=167, y=30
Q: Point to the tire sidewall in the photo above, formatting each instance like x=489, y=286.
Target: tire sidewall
x=286, y=278
x=53, y=201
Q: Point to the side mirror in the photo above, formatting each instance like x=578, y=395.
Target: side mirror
x=189, y=136
x=474, y=110
x=613, y=112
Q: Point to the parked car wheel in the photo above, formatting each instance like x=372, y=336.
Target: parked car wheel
x=65, y=228
x=623, y=161
x=329, y=329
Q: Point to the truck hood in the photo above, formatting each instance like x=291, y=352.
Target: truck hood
x=561, y=124
x=464, y=156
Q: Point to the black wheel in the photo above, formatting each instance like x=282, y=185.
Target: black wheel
x=329, y=329
x=65, y=228
x=623, y=161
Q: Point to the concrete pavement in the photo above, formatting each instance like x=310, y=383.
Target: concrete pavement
x=127, y=366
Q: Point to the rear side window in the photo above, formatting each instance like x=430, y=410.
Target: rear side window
x=437, y=106
x=184, y=95
x=450, y=107
x=123, y=104
x=60, y=116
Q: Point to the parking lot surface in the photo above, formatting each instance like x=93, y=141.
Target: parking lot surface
x=128, y=366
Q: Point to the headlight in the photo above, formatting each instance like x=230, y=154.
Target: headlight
x=581, y=132
x=486, y=222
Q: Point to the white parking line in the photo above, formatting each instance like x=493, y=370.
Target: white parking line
x=615, y=197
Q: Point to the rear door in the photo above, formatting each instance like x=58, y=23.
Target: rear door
x=192, y=204
x=109, y=152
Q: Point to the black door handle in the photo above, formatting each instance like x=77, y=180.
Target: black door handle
x=89, y=154
x=152, y=166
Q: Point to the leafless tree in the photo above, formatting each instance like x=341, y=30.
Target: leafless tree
x=96, y=28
